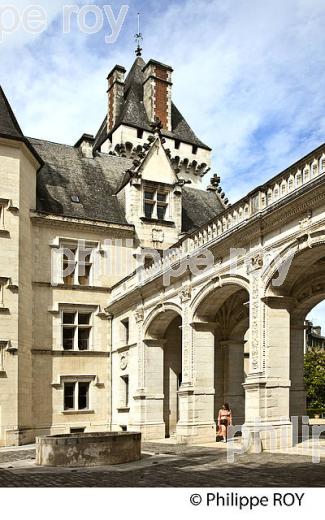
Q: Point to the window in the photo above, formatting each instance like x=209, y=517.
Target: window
x=149, y=203
x=77, y=430
x=76, y=395
x=194, y=149
x=155, y=204
x=139, y=133
x=177, y=144
x=125, y=331
x=77, y=261
x=84, y=269
x=161, y=205
x=76, y=330
x=125, y=391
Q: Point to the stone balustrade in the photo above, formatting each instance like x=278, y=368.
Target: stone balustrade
x=276, y=190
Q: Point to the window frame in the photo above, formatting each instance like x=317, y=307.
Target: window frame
x=77, y=326
x=124, y=391
x=76, y=381
x=125, y=330
x=155, y=203
x=86, y=260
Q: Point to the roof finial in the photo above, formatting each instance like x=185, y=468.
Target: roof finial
x=138, y=39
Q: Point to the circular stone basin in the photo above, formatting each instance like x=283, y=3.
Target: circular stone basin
x=88, y=449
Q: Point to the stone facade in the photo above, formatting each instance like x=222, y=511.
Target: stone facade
x=126, y=341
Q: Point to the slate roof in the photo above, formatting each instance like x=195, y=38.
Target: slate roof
x=8, y=123
x=9, y=127
x=199, y=207
x=66, y=173
x=134, y=114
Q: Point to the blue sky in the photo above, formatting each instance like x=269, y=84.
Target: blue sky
x=249, y=76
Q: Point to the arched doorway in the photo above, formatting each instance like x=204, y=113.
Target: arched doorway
x=225, y=310
x=163, y=339
x=301, y=290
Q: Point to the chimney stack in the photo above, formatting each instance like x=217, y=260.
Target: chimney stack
x=157, y=92
x=115, y=95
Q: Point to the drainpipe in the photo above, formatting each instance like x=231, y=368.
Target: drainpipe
x=110, y=378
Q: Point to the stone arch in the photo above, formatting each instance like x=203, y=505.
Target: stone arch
x=302, y=288
x=218, y=282
x=309, y=247
x=163, y=340
x=159, y=319
x=221, y=321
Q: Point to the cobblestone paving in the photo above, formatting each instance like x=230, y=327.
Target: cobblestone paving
x=169, y=466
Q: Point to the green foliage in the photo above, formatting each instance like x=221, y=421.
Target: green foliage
x=315, y=378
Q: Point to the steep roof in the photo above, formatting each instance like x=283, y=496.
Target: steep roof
x=9, y=127
x=134, y=114
x=199, y=207
x=66, y=173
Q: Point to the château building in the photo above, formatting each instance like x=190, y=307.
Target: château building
x=91, y=336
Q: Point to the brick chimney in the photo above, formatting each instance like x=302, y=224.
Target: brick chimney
x=115, y=95
x=157, y=92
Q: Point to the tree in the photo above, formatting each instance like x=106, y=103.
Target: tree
x=315, y=379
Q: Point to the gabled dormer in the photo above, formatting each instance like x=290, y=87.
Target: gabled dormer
x=151, y=195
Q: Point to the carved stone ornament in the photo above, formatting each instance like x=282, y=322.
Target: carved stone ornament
x=124, y=361
x=139, y=315
x=185, y=293
x=257, y=262
x=305, y=221
x=157, y=235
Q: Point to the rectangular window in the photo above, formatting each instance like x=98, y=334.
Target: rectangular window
x=194, y=149
x=77, y=261
x=84, y=268
x=177, y=144
x=76, y=330
x=76, y=395
x=83, y=396
x=69, y=394
x=155, y=204
x=125, y=391
x=125, y=331
x=139, y=133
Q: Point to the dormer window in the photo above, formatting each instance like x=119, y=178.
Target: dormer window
x=155, y=204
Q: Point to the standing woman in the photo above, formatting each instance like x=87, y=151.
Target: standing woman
x=224, y=420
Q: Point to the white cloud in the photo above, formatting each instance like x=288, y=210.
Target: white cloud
x=249, y=77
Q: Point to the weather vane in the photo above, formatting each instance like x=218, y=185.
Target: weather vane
x=138, y=39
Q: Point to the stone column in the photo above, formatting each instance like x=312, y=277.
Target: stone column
x=196, y=395
x=149, y=415
x=297, y=390
x=267, y=392
x=149, y=397
x=234, y=378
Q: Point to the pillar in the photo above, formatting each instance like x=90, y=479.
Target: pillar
x=149, y=408
x=268, y=386
x=196, y=395
x=297, y=389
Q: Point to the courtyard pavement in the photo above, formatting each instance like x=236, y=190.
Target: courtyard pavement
x=168, y=465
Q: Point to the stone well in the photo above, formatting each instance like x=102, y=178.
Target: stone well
x=88, y=449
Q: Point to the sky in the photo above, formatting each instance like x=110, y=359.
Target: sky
x=249, y=75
